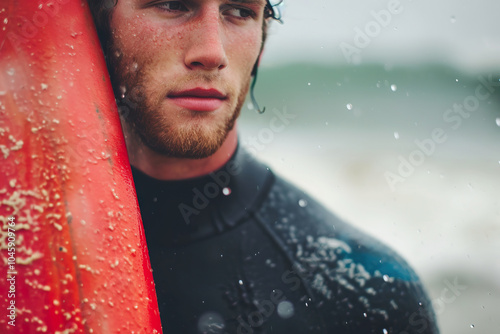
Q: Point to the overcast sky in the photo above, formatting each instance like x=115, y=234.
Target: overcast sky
x=465, y=33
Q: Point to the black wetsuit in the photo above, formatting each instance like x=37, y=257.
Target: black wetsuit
x=243, y=251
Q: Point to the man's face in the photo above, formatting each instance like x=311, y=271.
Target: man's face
x=188, y=64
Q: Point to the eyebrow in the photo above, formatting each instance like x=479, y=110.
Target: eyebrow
x=250, y=1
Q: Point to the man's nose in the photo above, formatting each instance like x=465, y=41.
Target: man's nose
x=206, y=48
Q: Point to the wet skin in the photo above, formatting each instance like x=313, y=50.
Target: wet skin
x=191, y=63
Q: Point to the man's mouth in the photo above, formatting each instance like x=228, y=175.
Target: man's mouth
x=198, y=99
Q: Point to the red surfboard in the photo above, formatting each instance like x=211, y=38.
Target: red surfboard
x=73, y=256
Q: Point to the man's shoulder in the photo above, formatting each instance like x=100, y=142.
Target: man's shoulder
x=299, y=217
x=350, y=273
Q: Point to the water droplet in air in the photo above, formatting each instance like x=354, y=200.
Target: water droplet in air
x=498, y=121
x=302, y=203
x=394, y=88
x=472, y=326
x=309, y=84
x=396, y=135
x=453, y=19
x=386, y=278
x=270, y=263
x=285, y=309
x=365, y=315
x=385, y=331
x=240, y=282
x=226, y=191
x=349, y=106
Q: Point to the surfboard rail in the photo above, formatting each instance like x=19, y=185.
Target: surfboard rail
x=73, y=255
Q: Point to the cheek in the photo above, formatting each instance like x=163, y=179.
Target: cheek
x=141, y=40
x=245, y=49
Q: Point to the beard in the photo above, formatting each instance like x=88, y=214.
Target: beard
x=145, y=120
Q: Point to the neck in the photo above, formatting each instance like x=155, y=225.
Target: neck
x=167, y=168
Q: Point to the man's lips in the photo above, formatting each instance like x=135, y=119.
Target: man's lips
x=198, y=99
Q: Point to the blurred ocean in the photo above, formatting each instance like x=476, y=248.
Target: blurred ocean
x=338, y=132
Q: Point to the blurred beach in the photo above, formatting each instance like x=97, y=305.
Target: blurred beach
x=351, y=136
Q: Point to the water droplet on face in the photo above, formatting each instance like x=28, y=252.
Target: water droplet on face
x=226, y=191
x=349, y=106
x=396, y=135
x=285, y=309
x=123, y=90
x=302, y=203
x=11, y=71
x=394, y=88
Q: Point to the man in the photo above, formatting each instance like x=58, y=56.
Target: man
x=234, y=248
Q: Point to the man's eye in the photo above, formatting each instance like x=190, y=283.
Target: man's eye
x=172, y=6
x=241, y=13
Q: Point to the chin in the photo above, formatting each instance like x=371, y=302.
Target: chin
x=192, y=142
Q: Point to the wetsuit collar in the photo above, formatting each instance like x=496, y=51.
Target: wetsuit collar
x=188, y=210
